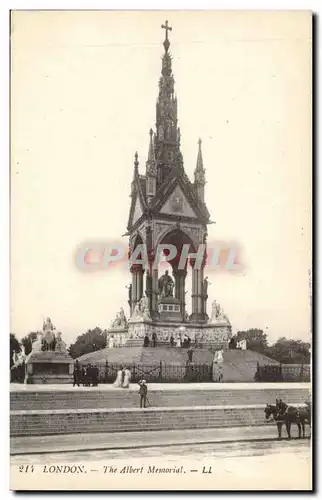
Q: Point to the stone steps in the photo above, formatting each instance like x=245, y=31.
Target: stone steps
x=106, y=397
x=41, y=423
x=238, y=366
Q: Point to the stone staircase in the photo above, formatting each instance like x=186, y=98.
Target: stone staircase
x=45, y=410
x=241, y=366
x=50, y=422
x=190, y=395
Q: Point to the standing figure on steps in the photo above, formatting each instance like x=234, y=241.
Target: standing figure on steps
x=143, y=391
x=77, y=373
x=119, y=378
x=127, y=378
x=146, y=341
x=218, y=372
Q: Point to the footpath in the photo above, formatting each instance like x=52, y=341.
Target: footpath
x=129, y=440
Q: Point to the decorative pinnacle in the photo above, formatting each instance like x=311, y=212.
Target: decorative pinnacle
x=166, y=43
x=136, y=163
x=151, y=157
x=199, y=171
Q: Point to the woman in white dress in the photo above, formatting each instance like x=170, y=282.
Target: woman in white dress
x=118, y=380
x=127, y=378
x=178, y=341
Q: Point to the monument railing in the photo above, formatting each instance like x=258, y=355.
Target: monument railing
x=283, y=373
x=162, y=372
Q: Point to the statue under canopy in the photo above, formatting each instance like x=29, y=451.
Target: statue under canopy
x=166, y=285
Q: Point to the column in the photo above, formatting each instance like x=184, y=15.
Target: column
x=140, y=291
x=200, y=293
x=176, y=276
x=148, y=288
x=137, y=285
x=193, y=291
x=197, y=295
x=134, y=290
x=149, y=268
x=155, y=292
x=180, y=288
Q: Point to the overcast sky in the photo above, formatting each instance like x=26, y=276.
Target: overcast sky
x=84, y=88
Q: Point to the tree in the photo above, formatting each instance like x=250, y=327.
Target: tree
x=14, y=346
x=28, y=340
x=290, y=351
x=256, y=339
x=92, y=340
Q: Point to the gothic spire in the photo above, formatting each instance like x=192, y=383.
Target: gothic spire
x=135, y=173
x=199, y=173
x=151, y=171
x=136, y=164
x=167, y=139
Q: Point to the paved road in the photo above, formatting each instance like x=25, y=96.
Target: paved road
x=247, y=465
x=120, y=440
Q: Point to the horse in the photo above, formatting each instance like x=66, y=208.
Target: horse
x=292, y=415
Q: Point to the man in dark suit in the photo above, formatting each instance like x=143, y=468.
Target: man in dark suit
x=77, y=373
x=143, y=391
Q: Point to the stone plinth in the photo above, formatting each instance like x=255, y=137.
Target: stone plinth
x=117, y=336
x=169, y=309
x=49, y=367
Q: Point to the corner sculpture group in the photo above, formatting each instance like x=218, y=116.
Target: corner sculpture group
x=46, y=340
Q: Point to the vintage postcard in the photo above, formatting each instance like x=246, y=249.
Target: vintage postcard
x=161, y=253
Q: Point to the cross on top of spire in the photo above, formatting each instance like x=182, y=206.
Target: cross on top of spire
x=166, y=42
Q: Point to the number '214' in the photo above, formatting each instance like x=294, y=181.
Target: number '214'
x=26, y=468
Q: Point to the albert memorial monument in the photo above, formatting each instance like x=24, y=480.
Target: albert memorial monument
x=168, y=209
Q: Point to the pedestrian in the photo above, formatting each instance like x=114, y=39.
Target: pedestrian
x=127, y=378
x=77, y=373
x=172, y=341
x=190, y=354
x=83, y=375
x=143, y=391
x=95, y=376
x=146, y=341
x=154, y=339
x=88, y=375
